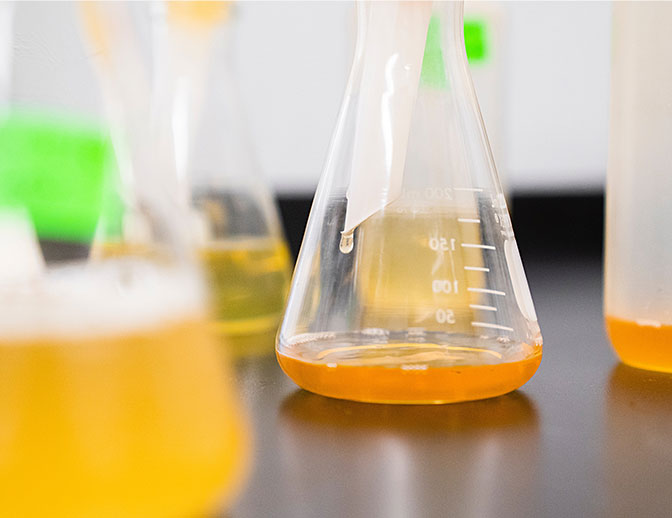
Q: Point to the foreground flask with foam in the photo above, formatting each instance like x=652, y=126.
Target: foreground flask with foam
x=115, y=400
x=409, y=287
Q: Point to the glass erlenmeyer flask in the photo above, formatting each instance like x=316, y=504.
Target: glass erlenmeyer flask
x=114, y=399
x=233, y=215
x=409, y=286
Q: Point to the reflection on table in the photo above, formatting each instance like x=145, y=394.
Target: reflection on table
x=470, y=459
x=638, y=450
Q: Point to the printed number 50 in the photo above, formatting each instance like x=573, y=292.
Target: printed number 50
x=445, y=316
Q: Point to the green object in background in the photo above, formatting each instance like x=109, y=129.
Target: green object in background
x=56, y=169
x=476, y=41
x=433, y=72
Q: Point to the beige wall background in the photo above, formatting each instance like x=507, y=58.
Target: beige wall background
x=544, y=96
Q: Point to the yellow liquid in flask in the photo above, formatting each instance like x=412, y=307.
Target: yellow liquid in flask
x=131, y=420
x=248, y=281
x=414, y=274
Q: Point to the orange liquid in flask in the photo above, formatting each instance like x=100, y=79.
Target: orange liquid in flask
x=396, y=280
x=643, y=346
x=409, y=383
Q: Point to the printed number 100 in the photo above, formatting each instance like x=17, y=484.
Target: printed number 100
x=444, y=286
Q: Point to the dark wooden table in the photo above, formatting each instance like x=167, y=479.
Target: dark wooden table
x=585, y=437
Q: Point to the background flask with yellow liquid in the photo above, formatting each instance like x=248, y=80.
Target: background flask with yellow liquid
x=247, y=267
x=248, y=278
x=409, y=286
x=234, y=218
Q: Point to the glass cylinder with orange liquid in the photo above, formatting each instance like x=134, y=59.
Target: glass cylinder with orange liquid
x=409, y=287
x=638, y=249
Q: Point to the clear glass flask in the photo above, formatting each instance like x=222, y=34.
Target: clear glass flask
x=638, y=247
x=409, y=286
x=115, y=400
x=234, y=218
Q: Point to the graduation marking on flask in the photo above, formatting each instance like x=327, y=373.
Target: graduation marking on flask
x=485, y=290
x=478, y=245
x=482, y=307
x=441, y=244
x=491, y=326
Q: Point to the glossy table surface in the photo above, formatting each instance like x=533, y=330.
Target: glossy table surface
x=585, y=437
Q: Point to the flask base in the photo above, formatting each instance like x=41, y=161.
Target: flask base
x=644, y=345
x=409, y=373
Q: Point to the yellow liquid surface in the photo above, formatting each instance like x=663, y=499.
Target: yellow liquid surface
x=642, y=346
x=410, y=373
x=142, y=424
x=248, y=281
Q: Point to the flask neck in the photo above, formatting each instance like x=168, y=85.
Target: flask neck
x=402, y=47
x=210, y=135
x=444, y=33
x=451, y=15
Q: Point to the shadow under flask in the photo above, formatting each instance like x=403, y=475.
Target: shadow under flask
x=409, y=286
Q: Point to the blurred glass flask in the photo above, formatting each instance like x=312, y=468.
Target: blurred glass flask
x=638, y=246
x=409, y=287
x=233, y=215
x=114, y=398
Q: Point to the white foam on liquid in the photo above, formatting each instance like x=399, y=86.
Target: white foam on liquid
x=110, y=298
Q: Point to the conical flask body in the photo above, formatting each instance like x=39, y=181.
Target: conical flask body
x=106, y=347
x=233, y=217
x=409, y=287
